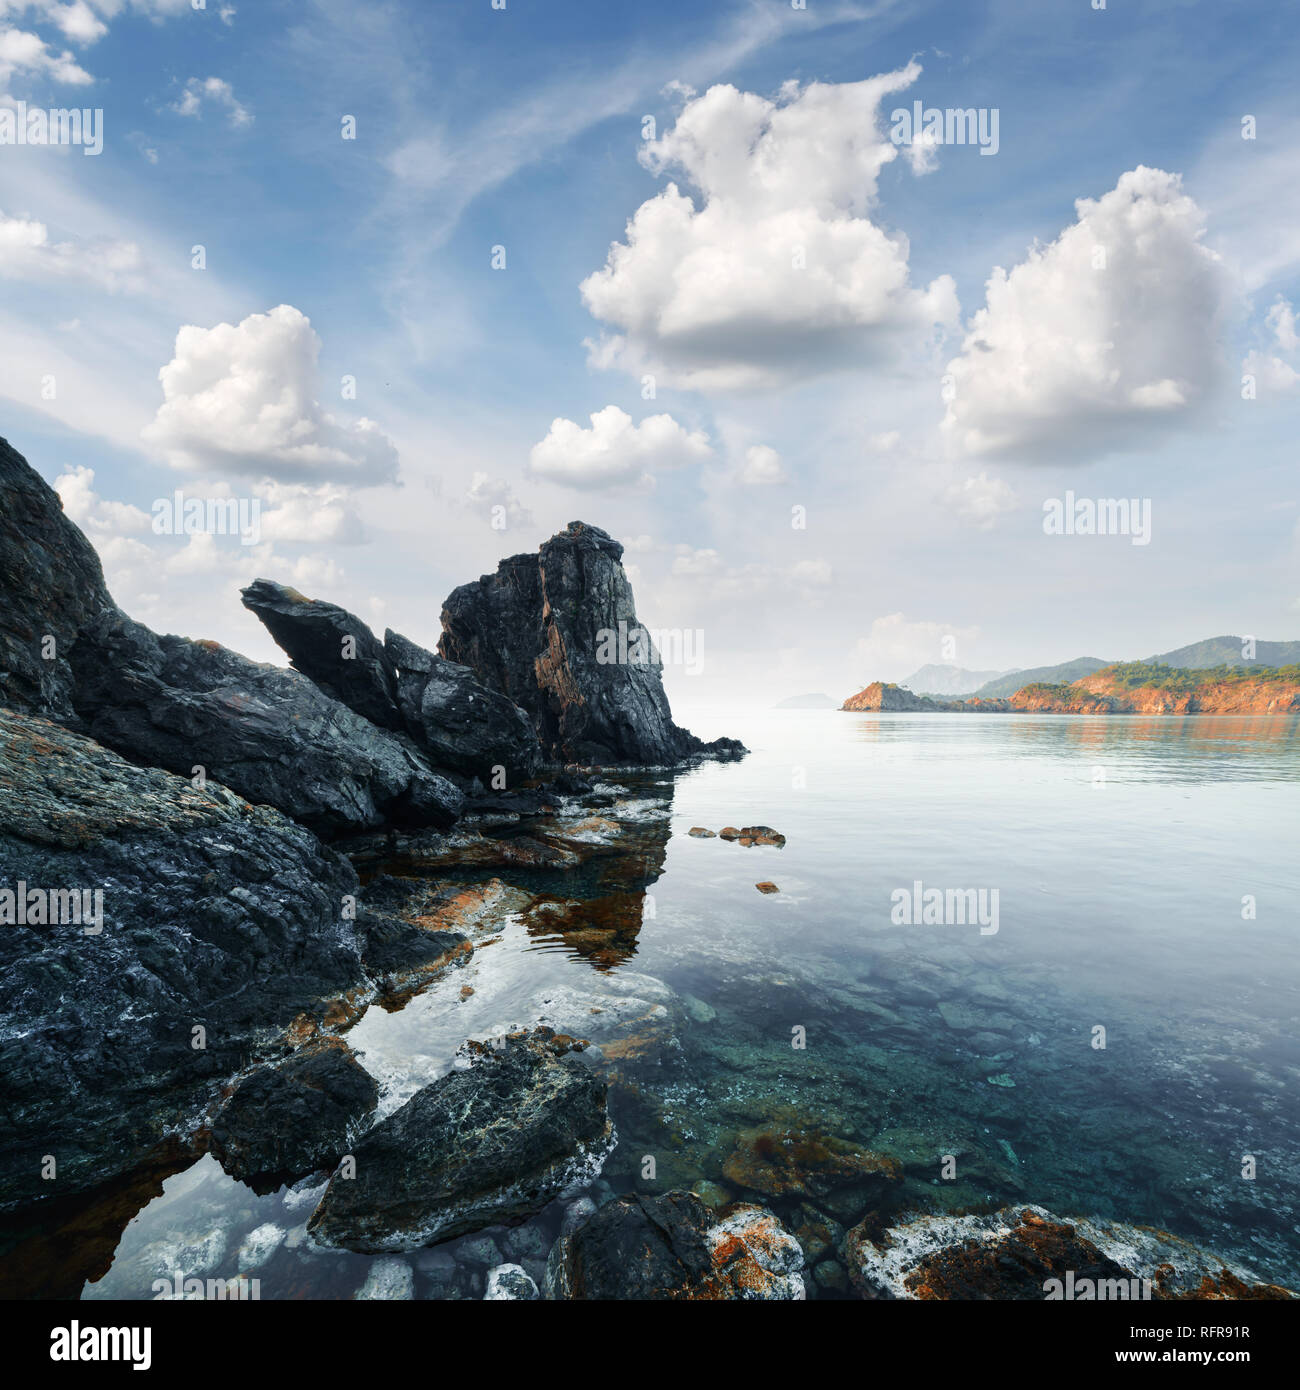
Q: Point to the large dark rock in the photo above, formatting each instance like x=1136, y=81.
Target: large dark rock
x=332, y=647
x=490, y=1142
x=217, y=915
x=461, y=723
x=267, y=733
x=51, y=586
x=289, y=1119
x=674, y=1247
x=542, y=629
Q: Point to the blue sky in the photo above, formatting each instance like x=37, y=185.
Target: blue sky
x=777, y=388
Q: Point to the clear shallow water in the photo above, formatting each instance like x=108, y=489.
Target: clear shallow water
x=1121, y=849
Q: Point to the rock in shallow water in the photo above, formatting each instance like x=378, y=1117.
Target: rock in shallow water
x=510, y=1282
x=674, y=1248
x=1027, y=1253
x=288, y=1120
x=490, y=1142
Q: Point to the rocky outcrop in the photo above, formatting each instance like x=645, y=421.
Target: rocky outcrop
x=1027, y=1253
x=675, y=1248
x=490, y=1142
x=331, y=647
x=287, y=1120
x=557, y=633
x=51, y=586
x=269, y=734
x=1168, y=691
x=460, y=722
x=220, y=920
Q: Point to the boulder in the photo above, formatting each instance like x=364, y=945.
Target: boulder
x=269, y=734
x=510, y=1282
x=331, y=647
x=51, y=586
x=290, y=1119
x=493, y=1141
x=673, y=1247
x=557, y=633
x=216, y=915
x=461, y=723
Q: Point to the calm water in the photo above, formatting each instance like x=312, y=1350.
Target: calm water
x=1121, y=850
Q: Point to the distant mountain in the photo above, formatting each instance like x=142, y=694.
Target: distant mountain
x=1226, y=651
x=949, y=680
x=1067, y=671
x=807, y=702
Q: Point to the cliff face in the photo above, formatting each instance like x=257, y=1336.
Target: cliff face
x=1103, y=694
x=556, y=632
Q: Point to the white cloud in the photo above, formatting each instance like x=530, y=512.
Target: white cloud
x=75, y=20
x=309, y=515
x=199, y=91
x=96, y=516
x=614, y=452
x=778, y=272
x=26, y=54
x=1072, y=355
x=762, y=466
x=28, y=253
x=980, y=499
x=1281, y=319
x=242, y=399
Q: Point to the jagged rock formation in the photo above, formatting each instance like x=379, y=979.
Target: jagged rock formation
x=51, y=586
x=216, y=915
x=462, y=726
x=674, y=1248
x=541, y=630
x=490, y=1142
x=269, y=734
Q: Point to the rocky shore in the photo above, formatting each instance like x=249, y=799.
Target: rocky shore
x=223, y=878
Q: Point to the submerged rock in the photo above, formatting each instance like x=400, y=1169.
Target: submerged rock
x=269, y=734
x=288, y=1120
x=674, y=1247
x=510, y=1282
x=784, y=1163
x=490, y=1142
x=557, y=633
x=1027, y=1253
x=217, y=916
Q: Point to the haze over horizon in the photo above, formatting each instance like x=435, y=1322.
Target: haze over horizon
x=678, y=281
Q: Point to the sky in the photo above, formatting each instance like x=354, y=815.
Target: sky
x=425, y=282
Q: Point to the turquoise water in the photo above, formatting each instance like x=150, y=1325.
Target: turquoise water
x=1121, y=850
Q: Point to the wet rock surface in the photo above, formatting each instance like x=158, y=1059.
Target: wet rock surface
x=287, y=1120
x=492, y=1141
x=673, y=1247
x=1028, y=1253
x=539, y=631
x=217, y=914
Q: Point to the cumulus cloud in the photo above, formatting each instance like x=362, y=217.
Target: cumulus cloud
x=776, y=271
x=614, y=452
x=212, y=90
x=96, y=516
x=980, y=499
x=242, y=399
x=1273, y=374
x=1113, y=326
x=762, y=466
x=26, y=54
x=28, y=253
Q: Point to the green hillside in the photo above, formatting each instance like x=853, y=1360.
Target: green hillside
x=1063, y=674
